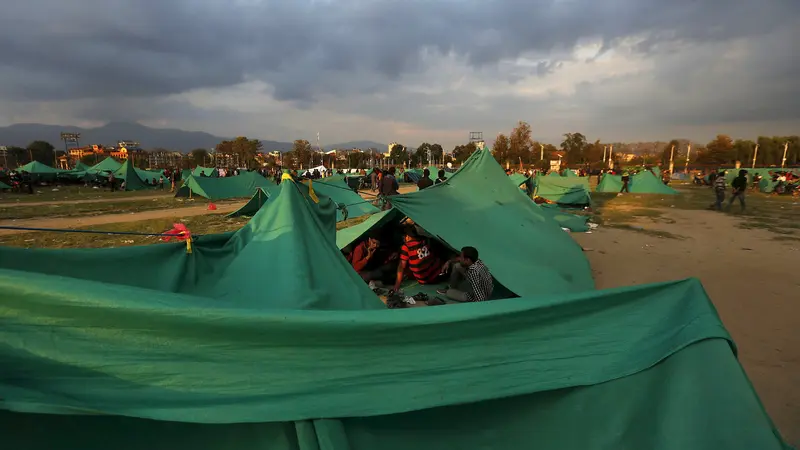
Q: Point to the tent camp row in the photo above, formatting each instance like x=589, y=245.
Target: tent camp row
x=266, y=338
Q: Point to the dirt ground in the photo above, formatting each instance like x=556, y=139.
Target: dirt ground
x=751, y=278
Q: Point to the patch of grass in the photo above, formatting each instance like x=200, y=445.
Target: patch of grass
x=654, y=233
x=198, y=225
x=786, y=238
x=71, y=193
x=90, y=209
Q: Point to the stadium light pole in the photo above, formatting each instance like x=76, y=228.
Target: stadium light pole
x=688, y=153
x=66, y=137
x=755, y=155
x=785, y=149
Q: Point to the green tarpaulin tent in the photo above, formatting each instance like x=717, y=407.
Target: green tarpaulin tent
x=107, y=165
x=37, y=168
x=349, y=203
x=130, y=176
x=80, y=167
x=643, y=182
x=255, y=203
x=291, y=243
x=4, y=186
x=39, y=171
x=241, y=186
x=609, y=183
x=565, y=191
x=519, y=241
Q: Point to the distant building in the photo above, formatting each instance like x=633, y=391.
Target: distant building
x=125, y=148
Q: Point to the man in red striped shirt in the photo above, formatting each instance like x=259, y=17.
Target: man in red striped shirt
x=417, y=256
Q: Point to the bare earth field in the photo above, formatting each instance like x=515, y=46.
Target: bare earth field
x=751, y=278
x=747, y=262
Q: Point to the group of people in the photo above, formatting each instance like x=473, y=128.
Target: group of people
x=720, y=186
x=381, y=265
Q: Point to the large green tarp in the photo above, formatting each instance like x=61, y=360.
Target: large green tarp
x=212, y=188
x=4, y=186
x=565, y=191
x=523, y=246
x=40, y=172
x=88, y=365
x=107, y=165
x=130, y=175
x=80, y=167
x=281, y=244
x=348, y=204
x=37, y=168
x=152, y=176
x=344, y=198
x=609, y=183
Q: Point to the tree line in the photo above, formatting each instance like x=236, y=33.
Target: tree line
x=518, y=147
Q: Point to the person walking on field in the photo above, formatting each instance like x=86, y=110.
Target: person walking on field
x=719, y=191
x=626, y=178
x=739, y=188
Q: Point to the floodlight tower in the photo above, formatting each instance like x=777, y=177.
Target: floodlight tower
x=476, y=137
x=67, y=137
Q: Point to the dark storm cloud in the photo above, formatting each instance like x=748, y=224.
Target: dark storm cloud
x=56, y=49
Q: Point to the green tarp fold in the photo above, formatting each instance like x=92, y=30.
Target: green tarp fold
x=149, y=370
x=565, y=191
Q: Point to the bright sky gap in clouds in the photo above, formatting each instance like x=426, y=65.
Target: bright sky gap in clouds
x=410, y=71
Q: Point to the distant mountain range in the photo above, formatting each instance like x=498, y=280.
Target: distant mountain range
x=22, y=134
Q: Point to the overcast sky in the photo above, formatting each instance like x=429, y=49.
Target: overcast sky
x=407, y=71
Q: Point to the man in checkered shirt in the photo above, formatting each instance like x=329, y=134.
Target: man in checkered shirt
x=470, y=279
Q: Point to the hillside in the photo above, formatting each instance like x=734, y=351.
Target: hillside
x=169, y=138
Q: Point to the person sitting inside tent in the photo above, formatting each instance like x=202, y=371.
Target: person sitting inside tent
x=441, y=178
x=470, y=279
x=418, y=256
x=373, y=262
x=425, y=181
